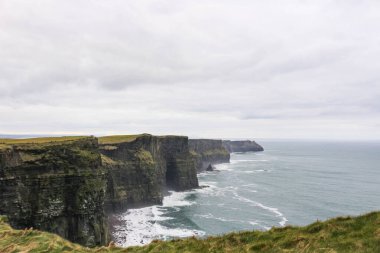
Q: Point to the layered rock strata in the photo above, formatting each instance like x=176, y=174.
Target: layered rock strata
x=64, y=185
x=55, y=184
x=207, y=151
x=141, y=168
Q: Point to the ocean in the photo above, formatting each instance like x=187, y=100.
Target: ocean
x=290, y=183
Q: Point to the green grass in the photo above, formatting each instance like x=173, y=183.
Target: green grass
x=114, y=139
x=38, y=142
x=41, y=140
x=344, y=234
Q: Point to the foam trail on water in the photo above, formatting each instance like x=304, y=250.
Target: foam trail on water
x=223, y=167
x=141, y=226
x=270, y=209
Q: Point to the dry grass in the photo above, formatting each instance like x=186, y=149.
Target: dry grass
x=114, y=139
x=344, y=234
x=41, y=140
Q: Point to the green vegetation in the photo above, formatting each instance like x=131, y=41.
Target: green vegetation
x=344, y=234
x=145, y=156
x=113, y=139
x=7, y=143
x=41, y=140
x=212, y=152
x=108, y=161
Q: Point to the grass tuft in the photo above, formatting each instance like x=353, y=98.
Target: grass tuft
x=344, y=234
x=114, y=139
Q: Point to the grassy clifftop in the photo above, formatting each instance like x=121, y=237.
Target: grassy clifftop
x=113, y=139
x=41, y=141
x=344, y=234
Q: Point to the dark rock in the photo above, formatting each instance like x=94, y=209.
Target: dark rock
x=210, y=167
x=56, y=186
x=207, y=152
x=242, y=146
x=141, y=169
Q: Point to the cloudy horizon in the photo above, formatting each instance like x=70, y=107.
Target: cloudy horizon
x=207, y=69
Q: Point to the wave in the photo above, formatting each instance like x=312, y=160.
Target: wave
x=211, y=216
x=233, y=161
x=251, y=171
x=176, y=199
x=141, y=226
x=258, y=204
x=257, y=224
x=223, y=167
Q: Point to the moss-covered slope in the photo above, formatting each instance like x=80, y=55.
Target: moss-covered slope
x=342, y=235
x=54, y=184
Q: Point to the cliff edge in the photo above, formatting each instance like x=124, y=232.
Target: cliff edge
x=242, y=146
x=142, y=167
x=342, y=234
x=54, y=184
x=207, y=152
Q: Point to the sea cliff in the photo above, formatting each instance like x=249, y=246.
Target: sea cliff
x=142, y=167
x=207, y=151
x=71, y=185
x=55, y=184
x=242, y=146
x=342, y=234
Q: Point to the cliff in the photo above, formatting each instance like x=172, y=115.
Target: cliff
x=242, y=146
x=206, y=152
x=343, y=234
x=56, y=185
x=142, y=167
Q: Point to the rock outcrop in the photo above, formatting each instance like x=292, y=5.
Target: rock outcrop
x=242, y=146
x=65, y=185
x=206, y=152
x=142, y=167
x=55, y=184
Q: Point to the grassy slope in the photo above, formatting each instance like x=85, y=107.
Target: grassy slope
x=359, y=234
x=7, y=143
x=113, y=139
x=41, y=140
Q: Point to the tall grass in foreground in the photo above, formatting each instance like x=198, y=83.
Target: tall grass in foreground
x=343, y=234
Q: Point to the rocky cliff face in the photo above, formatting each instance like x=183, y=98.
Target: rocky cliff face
x=55, y=184
x=64, y=185
x=242, y=146
x=206, y=152
x=142, y=167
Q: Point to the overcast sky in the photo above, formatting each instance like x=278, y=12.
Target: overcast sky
x=209, y=68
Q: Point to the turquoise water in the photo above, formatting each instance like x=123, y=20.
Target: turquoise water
x=289, y=183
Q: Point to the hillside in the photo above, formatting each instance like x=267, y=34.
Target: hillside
x=343, y=234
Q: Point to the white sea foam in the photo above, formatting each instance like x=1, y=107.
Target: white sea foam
x=270, y=209
x=211, y=216
x=249, y=185
x=141, y=226
x=223, y=167
x=248, y=161
x=176, y=199
x=257, y=224
x=253, y=223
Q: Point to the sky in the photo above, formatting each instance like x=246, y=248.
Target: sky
x=294, y=69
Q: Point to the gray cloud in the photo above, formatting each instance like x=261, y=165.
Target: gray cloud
x=291, y=69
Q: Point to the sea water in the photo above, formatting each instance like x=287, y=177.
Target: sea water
x=290, y=183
